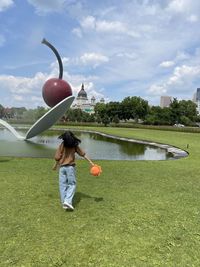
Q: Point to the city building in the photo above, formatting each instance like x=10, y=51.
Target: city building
x=165, y=101
x=196, y=99
x=82, y=102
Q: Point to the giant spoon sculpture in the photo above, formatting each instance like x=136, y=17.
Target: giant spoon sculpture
x=57, y=94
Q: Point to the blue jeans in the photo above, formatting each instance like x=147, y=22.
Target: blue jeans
x=67, y=183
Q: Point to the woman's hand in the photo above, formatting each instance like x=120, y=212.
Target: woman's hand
x=89, y=160
x=55, y=166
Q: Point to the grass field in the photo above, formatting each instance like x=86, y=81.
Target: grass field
x=137, y=213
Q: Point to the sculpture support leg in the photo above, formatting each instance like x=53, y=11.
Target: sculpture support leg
x=11, y=129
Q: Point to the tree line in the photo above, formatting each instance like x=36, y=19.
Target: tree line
x=137, y=109
x=130, y=108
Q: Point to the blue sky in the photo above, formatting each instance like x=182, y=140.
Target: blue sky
x=123, y=48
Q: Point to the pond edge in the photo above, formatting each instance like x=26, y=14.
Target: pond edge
x=175, y=151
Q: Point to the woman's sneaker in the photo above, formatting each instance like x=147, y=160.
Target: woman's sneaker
x=67, y=206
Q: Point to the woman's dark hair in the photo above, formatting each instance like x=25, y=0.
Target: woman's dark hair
x=69, y=139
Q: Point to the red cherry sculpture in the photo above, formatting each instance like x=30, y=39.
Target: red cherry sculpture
x=55, y=89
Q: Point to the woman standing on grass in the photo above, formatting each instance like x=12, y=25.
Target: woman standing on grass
x=65, y=158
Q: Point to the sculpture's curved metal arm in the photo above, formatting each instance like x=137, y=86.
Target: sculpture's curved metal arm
x=11, y=129
x=44, y=41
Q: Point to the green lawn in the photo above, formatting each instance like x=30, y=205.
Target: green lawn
x=137, y=213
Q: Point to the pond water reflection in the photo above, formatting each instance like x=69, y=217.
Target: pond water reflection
x=96, y=146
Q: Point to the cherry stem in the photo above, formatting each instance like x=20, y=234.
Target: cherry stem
x=44, y=41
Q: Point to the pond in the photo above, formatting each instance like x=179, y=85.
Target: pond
x=95, y=145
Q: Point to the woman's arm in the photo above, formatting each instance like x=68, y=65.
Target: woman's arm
x=83, y=154
x=85, y=157
x=55, y=165
x=59, y=152
x=58, y=156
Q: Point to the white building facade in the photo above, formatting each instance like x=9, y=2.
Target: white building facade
x=82, y=102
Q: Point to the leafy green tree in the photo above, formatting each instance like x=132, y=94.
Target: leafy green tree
x=77, y=113
x=85, y=117
x=105, y=120
x=158, y=116
x=9, y=113
x=175, y=111
x=92, y=118
x=40, y=111
x=183, y=111
x=29, y=115
x=99, y=119
x=100, y=109
x=188, y=109
x=185, y=121
x=17, y=113
x=134, y=108
x=197, y=119
x=113, y=109
x=70, y=115
x=116, y=119
x=127, y=108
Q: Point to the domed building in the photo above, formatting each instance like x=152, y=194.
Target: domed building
x=102, y=100
x=82, y=96
x=83, y=103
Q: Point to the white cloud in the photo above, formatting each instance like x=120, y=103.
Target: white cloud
x=193, y=18
x=127, y=55
x=2, y=40
x=46, y=6
x=55, y=66
x=179, y=5
x=188, y=8
x=184, y=7
x=5, y=4
x=18, y=98
x=94, y=59
x=179, y=83
x=184, y=74
x=88, y=23
x=104, y=26
x=21, y=89
x=157, y=90
x=110, y=26
x=27, y=92
x=165, y=36
x=36, y=99
x=181, y=55
x=77, y=32
x=167, y=64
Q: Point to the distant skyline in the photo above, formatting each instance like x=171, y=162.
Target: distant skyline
x=143, y=48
